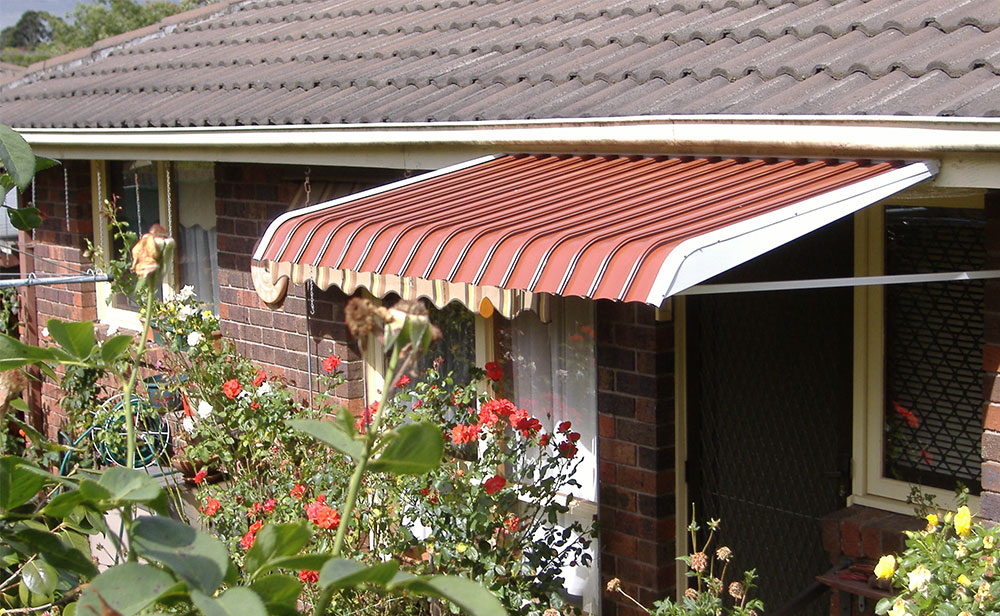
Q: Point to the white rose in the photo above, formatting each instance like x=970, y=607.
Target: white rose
x=186, y=311
x=204, y=409
x=45, y=332
x=186, y=293
x=188, y=424
x=195, y=338
x=264, y=389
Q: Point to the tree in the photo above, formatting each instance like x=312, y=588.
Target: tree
x=31, y=30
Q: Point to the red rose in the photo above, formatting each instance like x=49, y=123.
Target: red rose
x=232, y=388
x=511, y=524
x=361, y=424
x=309, y=577
x=494, y=484
x=322, y=515
x=461, y=434
x=528, y=426
x=573, y=437
x=254, y=406
x=211, y=507
x=254, y=510
x=330, y=363
x=565, y=426
x=493, y=371
x=567, y=449
x=269, y=505
x=260, y=378
x=544, y=440
x=403, y=381
x=200, y=476
x=256, y=526
x=298, y=490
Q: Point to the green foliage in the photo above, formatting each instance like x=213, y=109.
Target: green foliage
x=19, y=165
x=32, y=29
x=949, y=568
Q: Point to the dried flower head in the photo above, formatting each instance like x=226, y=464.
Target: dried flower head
x=736, y=591
x=614, y=585
x=551, y=612
x=360, y=317
x=724, y=554
x=691, y=594
x=699, y=561
x=147, y=252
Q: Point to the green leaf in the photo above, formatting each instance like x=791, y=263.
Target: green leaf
x=416, y=449
x=17, y=158
x=93, y=491
x=40, y=577
x=278, y=588
x=42, y=163
x=75, y=337
x=198, y=558
x=57, y=553
x=25, y=218
x=329, y=433
x=129, y=485
x=239, y=601
x=128, y=589
x=340, y=573
x=312, y=562
x=14, y=353
x=17, y=484
x=274, y=541
x=469, y=596
x=113, y=348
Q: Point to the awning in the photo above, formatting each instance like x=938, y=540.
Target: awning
x=509, y=228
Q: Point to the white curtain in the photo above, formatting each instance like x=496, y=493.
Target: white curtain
x=199, y=262
x=555, y=379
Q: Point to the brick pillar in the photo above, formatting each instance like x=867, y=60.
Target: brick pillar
x=59, y=247
x=990, y=497
x=636, y=453
x=248, y=198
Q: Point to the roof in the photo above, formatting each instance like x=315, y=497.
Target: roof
x=288, y=62
x=10, y=71
x=633, y=228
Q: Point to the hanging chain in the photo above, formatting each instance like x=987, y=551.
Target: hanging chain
x=138, y=204
x=170, y=207
x=66, y=186
x=309, y=353
x=312, y=298
x=33, y=203
x=306, y=186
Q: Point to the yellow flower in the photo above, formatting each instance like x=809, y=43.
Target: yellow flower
x=932, y=522
x=963, y=521
x=964, y=580
x=898, y=608
x=988, y=542
x=461, y=548
x=886, y=567
x=918, y=578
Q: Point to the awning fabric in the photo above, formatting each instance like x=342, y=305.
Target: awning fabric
x=511, y=228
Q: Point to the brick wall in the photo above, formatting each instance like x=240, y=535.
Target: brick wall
x=990, y=496
x=60, y=246
x=636, y=453
x=248, y=198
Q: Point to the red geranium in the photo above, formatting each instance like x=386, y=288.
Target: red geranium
x=298, y=490
x=461, y=434
x=260, y=378
x=200, y=476
x=232, y=388
x=493, y=371
x=309, y=577
x=330, y=363
x=211, y=507
x=906, y=414
x=256, y=526
x=254, y=510
x=403, y=381
x=511, y=524
x=494, y=484
x=269, y=505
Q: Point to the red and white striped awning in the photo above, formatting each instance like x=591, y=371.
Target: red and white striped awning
x=509, y=228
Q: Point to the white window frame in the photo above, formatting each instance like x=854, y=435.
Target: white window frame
x=869, y=485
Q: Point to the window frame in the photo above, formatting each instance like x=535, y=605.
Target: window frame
x=107, y=313
x=869, y=486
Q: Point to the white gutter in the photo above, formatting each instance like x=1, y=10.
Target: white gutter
x=870, y=136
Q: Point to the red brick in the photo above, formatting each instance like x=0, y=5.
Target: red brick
x=605, y=426
x=619, y=544
x=617, y=451
x=991, y=445
x=991, y=476
x=991, y=357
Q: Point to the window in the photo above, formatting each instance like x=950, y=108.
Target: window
x=178, y=196
x=549, y=369
x=918, y=386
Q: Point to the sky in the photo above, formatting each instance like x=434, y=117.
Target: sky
x=10, y=10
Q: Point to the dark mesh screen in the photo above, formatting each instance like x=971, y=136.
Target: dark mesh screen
x=933, y=341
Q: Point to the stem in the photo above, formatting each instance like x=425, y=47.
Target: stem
x=359, y=470
x=130, y=384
